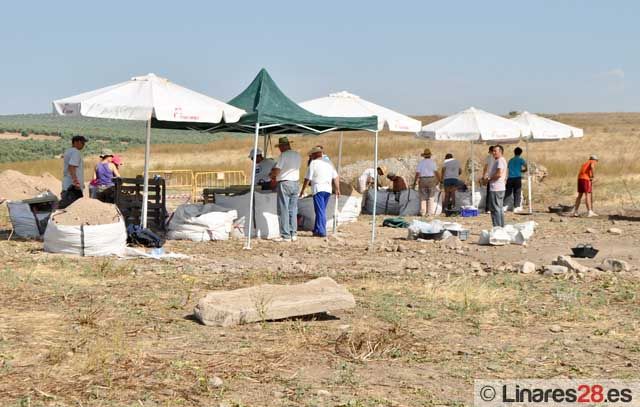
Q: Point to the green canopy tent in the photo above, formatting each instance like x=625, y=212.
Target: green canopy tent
x=270, y=111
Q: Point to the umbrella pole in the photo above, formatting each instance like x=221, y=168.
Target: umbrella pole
x=335, y=207
x=529, y=177
x=145, y=187
x=253, y=186
x=375, y=190
x=473, y=178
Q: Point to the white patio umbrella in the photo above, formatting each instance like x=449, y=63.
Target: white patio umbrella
x=538, y=128
x=345, y=104
x=143, y=98
x=472, y=125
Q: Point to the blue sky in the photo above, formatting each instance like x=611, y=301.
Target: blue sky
x=418, y=57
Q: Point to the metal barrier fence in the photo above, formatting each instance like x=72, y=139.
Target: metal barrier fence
x=192, y=183
x=217, y=179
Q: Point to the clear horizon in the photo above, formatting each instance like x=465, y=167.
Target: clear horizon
x=415, y=57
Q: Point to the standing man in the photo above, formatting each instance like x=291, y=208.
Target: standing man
x=586, y=177
x=428, y=179
x=451, y=172
x=517, y=165
x=320, y=173
x=488, y=163
x=286, y=174
x=73, y=172
x=263, y=169
x=496, y=179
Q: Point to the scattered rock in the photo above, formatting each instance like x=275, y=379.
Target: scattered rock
x=591, y=230
x=571, y=264
x=401, y=248
x=323, y=393
x=422, y=251
x=268, y=301
x=215, y=382
x=412, y=265
x=452, y=243
x=610, y=264
x=555, y=328
x=615, y=231
x=553, y=270
x=475, y=265
x=525, y=267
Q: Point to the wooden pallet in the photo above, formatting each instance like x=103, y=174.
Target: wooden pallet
x=128, y=198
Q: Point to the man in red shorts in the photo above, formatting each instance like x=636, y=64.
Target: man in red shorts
x=585, y=185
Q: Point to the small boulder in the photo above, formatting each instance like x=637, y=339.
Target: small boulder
x=615, y=231
x=610, y=264
x=591, y=230
x=571, y=264
x=452, y=243
x=525, y=267
x=555, y=329
x=554, y=270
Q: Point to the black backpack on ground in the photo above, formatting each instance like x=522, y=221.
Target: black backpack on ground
x=137, y=235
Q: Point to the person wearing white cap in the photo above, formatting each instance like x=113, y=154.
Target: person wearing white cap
x=263, y=169
x=585, y=186
x=320, y=174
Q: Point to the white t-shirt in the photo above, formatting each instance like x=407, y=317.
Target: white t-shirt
x=451, y=168
x=501, y=183
x=321, y=174
x=289, y=165
x=263, y=168
x=364, y=177
x=427, y=167
x=72, y=157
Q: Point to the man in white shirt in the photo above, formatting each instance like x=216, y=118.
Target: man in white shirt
x=73, y=172
x=497, y=179
x=286, y=173
x=263, y=169
x=367, y=178
x=427, y=179
x=321, y=174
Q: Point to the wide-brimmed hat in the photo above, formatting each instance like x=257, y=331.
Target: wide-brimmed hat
x=283, y=141
x=314, y=150
x=593, y=157
x=426, y=153
x=382, y=169
x=117, y=160
x=106, y=152
x=259, y=152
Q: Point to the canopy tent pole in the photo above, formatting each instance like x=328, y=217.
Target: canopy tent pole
x=266, y=146
x=529, y=176
x=253, y=186
x=335, y=207
x=473, y=177
x=375, y=190
x=145, y=187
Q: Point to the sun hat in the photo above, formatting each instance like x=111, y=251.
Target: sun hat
x=117, y=160
x=251, y=153
x=283, y=141
x=426, y=153
x=314, y=150
x=382, y=169
x=593, y=157
x=106, y=152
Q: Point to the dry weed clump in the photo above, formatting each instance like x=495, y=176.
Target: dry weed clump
x=365, y=343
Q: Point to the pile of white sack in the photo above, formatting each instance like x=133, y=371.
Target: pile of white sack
x=27, y=223
x=200, y=223
x=87, y=227
x=510, y=234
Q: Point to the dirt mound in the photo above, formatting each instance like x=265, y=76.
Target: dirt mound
x=14, y=185
x=87, y=211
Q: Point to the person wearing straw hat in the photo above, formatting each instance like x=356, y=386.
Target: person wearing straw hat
x=586, y=177
x=427, y=179
x=366, y=180
x=104, y=173
x=263, y=169
x=320, y=174
x=286, y=174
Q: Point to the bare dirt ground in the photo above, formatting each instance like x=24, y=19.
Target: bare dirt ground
x=107, y=332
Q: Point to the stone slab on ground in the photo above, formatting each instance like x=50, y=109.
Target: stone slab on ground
x=270, y=302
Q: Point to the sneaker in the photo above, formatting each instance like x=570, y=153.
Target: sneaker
x=282, y=239
x=575, y=214
x=294, y=238
x=518, y=209
x=591, y=214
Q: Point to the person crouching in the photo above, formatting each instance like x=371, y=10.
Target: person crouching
x=320, y=174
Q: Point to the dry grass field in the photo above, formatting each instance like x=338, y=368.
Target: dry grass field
x=428, y=320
